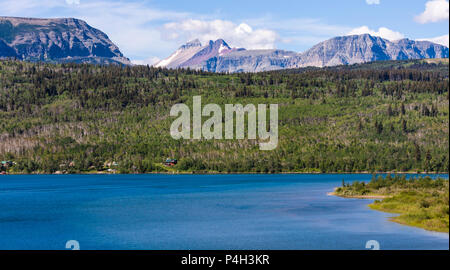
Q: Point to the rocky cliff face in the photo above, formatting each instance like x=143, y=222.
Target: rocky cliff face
x=336, y=51
x=56, y=40
x=366, y=48
x=249, y=60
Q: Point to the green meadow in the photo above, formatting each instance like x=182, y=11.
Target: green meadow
x=421, y=202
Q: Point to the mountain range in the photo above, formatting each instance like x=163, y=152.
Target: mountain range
x=218, y=56
x=56, y=40
x=73, y=40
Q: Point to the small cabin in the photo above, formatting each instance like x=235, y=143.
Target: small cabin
x=7, y=163
x=170, y=162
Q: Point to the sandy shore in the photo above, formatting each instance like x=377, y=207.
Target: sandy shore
x=359, y=197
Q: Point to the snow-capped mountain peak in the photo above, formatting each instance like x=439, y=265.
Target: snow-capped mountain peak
x=193, y=53
x=192, y=44
x=184, y=53
x=217, y=56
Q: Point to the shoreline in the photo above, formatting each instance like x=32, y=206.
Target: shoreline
x=359, y=196
x=394, y=218
x=227, y=173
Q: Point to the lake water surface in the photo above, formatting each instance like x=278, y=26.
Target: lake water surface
x=195, y=212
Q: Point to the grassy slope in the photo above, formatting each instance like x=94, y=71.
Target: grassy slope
x=54, y=115
x=421, y=202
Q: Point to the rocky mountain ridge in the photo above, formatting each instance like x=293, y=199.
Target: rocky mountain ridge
x=335, y=51
x=62, y=40
x=56, y=40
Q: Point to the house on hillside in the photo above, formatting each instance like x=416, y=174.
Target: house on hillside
x=7, y=163
x=4, y=165
x=170, y=162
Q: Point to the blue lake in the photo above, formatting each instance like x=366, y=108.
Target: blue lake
x=195, y=212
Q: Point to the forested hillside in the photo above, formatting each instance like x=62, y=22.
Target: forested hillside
x=381, y=116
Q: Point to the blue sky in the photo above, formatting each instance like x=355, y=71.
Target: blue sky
x=146, y=31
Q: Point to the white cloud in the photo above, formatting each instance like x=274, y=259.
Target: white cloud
x=148, y=61
x=132, y=26
x=73, y=2
x=299, y=34
x=373, y=2
x=443, y=40
x=382, y=32
x=242, y=35
x=435, y=10
x=22, y=8
x=302, y=25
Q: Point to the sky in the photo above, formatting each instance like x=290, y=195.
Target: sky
x=147, y=31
